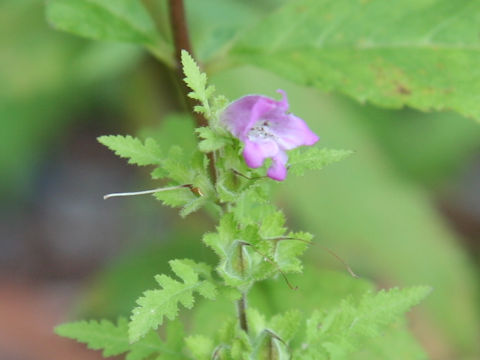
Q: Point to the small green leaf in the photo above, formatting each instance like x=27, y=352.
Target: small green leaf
x=119, y=20
x=211, y=140
x=154, y=305
x=113, y=339
x=286, y=325
x=147, y=153
x=197, y=81
x=200, y=346
x=313, y=158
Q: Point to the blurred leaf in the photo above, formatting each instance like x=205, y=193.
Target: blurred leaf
x=427, y=148
x=201, y=347
x=174, y=129
x=338, y=332
x=113, y=339
x=420, y=53
x=212, y=31
x=313, y=158
x=38, y=102
x=119, y=20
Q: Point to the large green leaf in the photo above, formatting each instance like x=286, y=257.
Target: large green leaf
x=119, y=20
x=420, y=53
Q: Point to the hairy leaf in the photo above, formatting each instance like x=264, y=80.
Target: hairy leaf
x=211, y=140
x=420, y=53
x=341, y=331
x=154, y=305
x=133, y=149
x=113, y=339
x=197, y=81
x=313, y=158
x=200, y=346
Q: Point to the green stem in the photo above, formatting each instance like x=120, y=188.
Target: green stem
x=242, y=312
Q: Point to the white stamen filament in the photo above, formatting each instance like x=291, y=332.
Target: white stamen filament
x=135, y=193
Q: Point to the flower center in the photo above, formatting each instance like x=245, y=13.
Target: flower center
x=261, y=131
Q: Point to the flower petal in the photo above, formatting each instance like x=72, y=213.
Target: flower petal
x=256, y=152
x=278, y=170
x=241, y=115
x=283, y=104
x=291, y=132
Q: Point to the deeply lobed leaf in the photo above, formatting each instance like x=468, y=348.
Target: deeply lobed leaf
x=154, y=305
x=337, y=333
x=133, y=149
x=313, y=158
x=113, y=339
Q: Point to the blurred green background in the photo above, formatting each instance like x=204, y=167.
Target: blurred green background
x=404, y=210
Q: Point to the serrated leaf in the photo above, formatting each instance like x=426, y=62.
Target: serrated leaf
x=133, y=149
x=341, y=331
x=286, y=325
x=197, y=81
x=287, y=251
x=233, y=256
x=113, y=339
x=200, y=346
x=313, y=158
x=419, y=53
x=211, y=140
x=119, y=20
x=154, y=305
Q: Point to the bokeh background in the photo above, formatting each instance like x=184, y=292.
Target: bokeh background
x=404, y=210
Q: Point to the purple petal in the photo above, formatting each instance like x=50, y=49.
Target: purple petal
x=255, y=153
x=278, y=170
x=283, y=104
x=241, y=115
x=291, y=132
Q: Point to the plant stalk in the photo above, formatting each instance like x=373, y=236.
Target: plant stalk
x=181, y=41
x=242, y=312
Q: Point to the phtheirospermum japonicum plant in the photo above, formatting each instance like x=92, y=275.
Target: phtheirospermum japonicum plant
x=244, y=147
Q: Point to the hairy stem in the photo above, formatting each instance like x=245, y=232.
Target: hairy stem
x=181, y=42
x=242, y=312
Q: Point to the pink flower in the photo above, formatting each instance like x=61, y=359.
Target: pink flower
x=267, y=129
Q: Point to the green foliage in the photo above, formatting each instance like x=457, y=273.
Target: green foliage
x=120, y=20
x=154, y=305
x=335, y=334
x=197, y=81
x=313, y=158
x=113, y=339
x=419, y=53
x=366, y=202
x=147, y=153
x=200, y=346
x=211, y=140
x=189, y=171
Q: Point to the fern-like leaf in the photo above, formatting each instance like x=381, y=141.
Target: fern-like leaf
x=211, y=140
x=313, y=158
x=154, y=305
x=339, y=332
x=133, y=149
x=113, y=339
x=197, y=81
